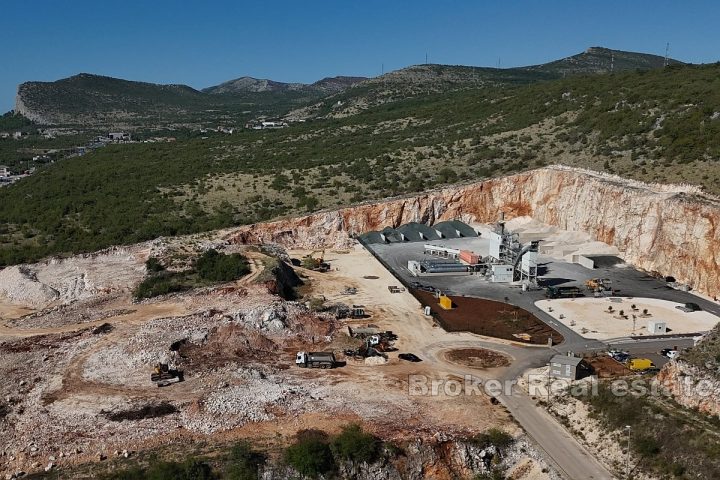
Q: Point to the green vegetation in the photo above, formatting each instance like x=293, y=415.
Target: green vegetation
x=211, y=267
x=311, y=454
x=658, y=125
x=706, y=354
x=494, y=436
x=669, y=440
x=190, y=469
x=216, y=267
x=243, y=463
x=355, y=445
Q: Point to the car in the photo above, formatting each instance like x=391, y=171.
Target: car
x=410, y=357
x=672, y=354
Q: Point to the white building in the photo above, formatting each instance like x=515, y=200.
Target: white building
x=502, y=273
x=4, y=171
x=656, y=327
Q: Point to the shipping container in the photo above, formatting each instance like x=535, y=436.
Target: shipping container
x=469, y=257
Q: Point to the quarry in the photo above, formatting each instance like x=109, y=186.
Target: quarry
x=489, y=279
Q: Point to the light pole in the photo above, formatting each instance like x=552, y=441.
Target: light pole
x=548, y=383
x=627, y=453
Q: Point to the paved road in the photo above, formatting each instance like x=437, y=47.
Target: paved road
x=562, y=449
x=571, y=458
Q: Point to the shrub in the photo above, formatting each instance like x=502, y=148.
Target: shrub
x=493, y=436
x=160, y=284
x=355, y=445
x=647, y=446
x=218, y=267
x=310, y=454
x=190, y=469
x=153, y=265
x=243, y=462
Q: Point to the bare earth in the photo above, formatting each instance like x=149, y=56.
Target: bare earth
x=63, y=378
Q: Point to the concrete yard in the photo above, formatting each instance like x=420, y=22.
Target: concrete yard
x=556, y=269
x=590, y=318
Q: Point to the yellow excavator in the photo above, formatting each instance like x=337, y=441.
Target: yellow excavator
x=163, y=375
x=311, y=262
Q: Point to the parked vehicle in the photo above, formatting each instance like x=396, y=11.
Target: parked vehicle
x=640, y=364
x=315, y=359
x=671, y=354
x=410, y=357
x=563, y=292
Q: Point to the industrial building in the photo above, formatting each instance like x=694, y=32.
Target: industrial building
x=508, y=260
x=417, y=232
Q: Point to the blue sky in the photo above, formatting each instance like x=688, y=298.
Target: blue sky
x=205, y=43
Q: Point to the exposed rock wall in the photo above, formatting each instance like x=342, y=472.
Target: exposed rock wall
x=691, y=386
x=25, y=111
x=673, y=230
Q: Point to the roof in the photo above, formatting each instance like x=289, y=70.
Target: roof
x=416, y=232
x=565, y=360
x=455, y=229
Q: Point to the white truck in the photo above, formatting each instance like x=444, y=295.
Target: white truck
x=315, y=359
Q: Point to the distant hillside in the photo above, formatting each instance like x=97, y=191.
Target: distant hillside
x=242, y=85
x=92, y=100
x=602, y=60
x=87, y=98
x=424, y=79
x=660, y=125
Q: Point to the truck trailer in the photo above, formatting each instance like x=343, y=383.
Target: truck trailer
x=563, y=292
x=315, y=359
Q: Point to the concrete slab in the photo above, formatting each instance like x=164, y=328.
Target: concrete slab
x=590, y=318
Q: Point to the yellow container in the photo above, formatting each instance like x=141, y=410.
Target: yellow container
x=445, y=302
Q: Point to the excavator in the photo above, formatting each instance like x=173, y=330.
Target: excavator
x=316, y=263
x=163, y=375
x=600, y=286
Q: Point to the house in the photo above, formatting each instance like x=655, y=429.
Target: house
x=119, y=136
x=4, y=171
x=568, y=367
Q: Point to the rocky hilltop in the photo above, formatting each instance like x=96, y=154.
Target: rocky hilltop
x=672, y=230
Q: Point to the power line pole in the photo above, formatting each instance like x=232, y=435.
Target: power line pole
x=426, y=62
x=667, y=52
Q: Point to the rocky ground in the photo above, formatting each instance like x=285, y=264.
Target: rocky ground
x=76, y=355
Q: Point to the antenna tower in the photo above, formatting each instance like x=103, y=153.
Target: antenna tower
x=667, y=51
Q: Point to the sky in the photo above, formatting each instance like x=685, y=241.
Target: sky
x=203, y=43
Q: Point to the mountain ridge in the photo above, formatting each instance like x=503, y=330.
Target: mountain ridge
x=88, y=99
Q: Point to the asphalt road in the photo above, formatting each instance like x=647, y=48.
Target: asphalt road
x=571, y=458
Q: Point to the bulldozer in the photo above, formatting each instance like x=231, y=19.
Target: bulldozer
x=163, y=375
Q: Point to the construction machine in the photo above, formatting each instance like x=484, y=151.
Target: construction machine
x=163, y=375
x=318, y=263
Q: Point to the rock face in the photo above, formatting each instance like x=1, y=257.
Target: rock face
x=672, y=230
x=691, y=387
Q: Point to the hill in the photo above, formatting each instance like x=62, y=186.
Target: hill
x=87, y=100
x=244, y=85
x=660, y=125
x=424, y=79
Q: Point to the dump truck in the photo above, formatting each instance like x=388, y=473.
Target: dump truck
x=640, y=364
x=315, y=359
x=563, y=292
